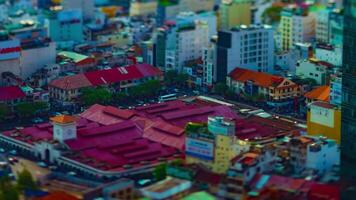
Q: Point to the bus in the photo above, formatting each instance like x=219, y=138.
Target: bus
x=167, y=97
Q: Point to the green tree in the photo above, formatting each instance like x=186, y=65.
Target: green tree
x=26, y=181
x=230, y=93
x=152, y=87
x=4, y=111
x=28, y=109
x=272, y=14
x=121, y=97
x=182, y=79
x=220, y=88
x=160, y=172
x=98, y=95
x=170, y=77
x=9, y=193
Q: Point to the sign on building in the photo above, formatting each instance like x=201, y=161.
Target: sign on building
x=199, y=148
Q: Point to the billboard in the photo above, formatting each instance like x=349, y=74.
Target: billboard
x=10, y=49
x=323, y=116
x=199, y=149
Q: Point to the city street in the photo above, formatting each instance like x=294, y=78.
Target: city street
x=36, y=171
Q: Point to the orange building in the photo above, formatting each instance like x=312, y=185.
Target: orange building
x=321, y=93
x=273, y=88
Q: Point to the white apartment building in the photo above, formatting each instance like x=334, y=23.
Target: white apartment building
x=209, y=58
x=322, y=27
x=247, y=47
x=286, y=61
x=208, y=17
x=314, y=153
x=297, y=26
x=330, y=54
x=86, y=6
x=313, y=69
x=188, y=44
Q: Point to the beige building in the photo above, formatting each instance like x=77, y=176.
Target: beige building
x=234, y=13
x=143, y=7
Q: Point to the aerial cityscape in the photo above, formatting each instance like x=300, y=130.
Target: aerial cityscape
x=178, y=99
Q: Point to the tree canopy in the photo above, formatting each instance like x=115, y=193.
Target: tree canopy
x=4, y=111
x=98, y=95
x=172, y=77
x=147, y=89
x=29, y=109
x=25, y=181
x=160, y=172
x=272, y=14
x=220, y=88
x=7, y=189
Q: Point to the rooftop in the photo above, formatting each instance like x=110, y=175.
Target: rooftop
x=63, y=119
x=11, y=93
x=166, y=188
x=104, y=77
x=319, y=94
x=258, y=78
x=73, y=56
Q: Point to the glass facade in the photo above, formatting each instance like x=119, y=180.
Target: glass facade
x=348, y=135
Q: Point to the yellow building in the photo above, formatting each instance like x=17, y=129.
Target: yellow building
x=324, y=119
x=296, y=26
x=285, y=28
x=234, y=13
x=143, y=8
x=211, y=145
x=118, y=39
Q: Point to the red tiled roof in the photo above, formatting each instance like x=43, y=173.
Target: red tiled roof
x=124, y=114
x=104, y=77
x=11, y=93
x=107, y=147
x=259, y=78
x=321, y=93
x=324, y=192
x=147, y=70
x=58, y=195
x=114, y=75
x=71, y=82
x=156, y=127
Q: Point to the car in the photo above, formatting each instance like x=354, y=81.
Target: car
x=144, y=182
x=12, y=160
x=42, y=164
x=71, y=173
x=13, y=152
x=53, y=167
x=37, y=120
x=65, y=113
x=15, y=159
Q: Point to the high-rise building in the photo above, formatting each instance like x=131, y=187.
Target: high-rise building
x=180, y=41
x=169, y=9
x=234, y=13
x=348, y=120
x=86, y=6
x=245, y=47
x=66, y=25
x=297, y=25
